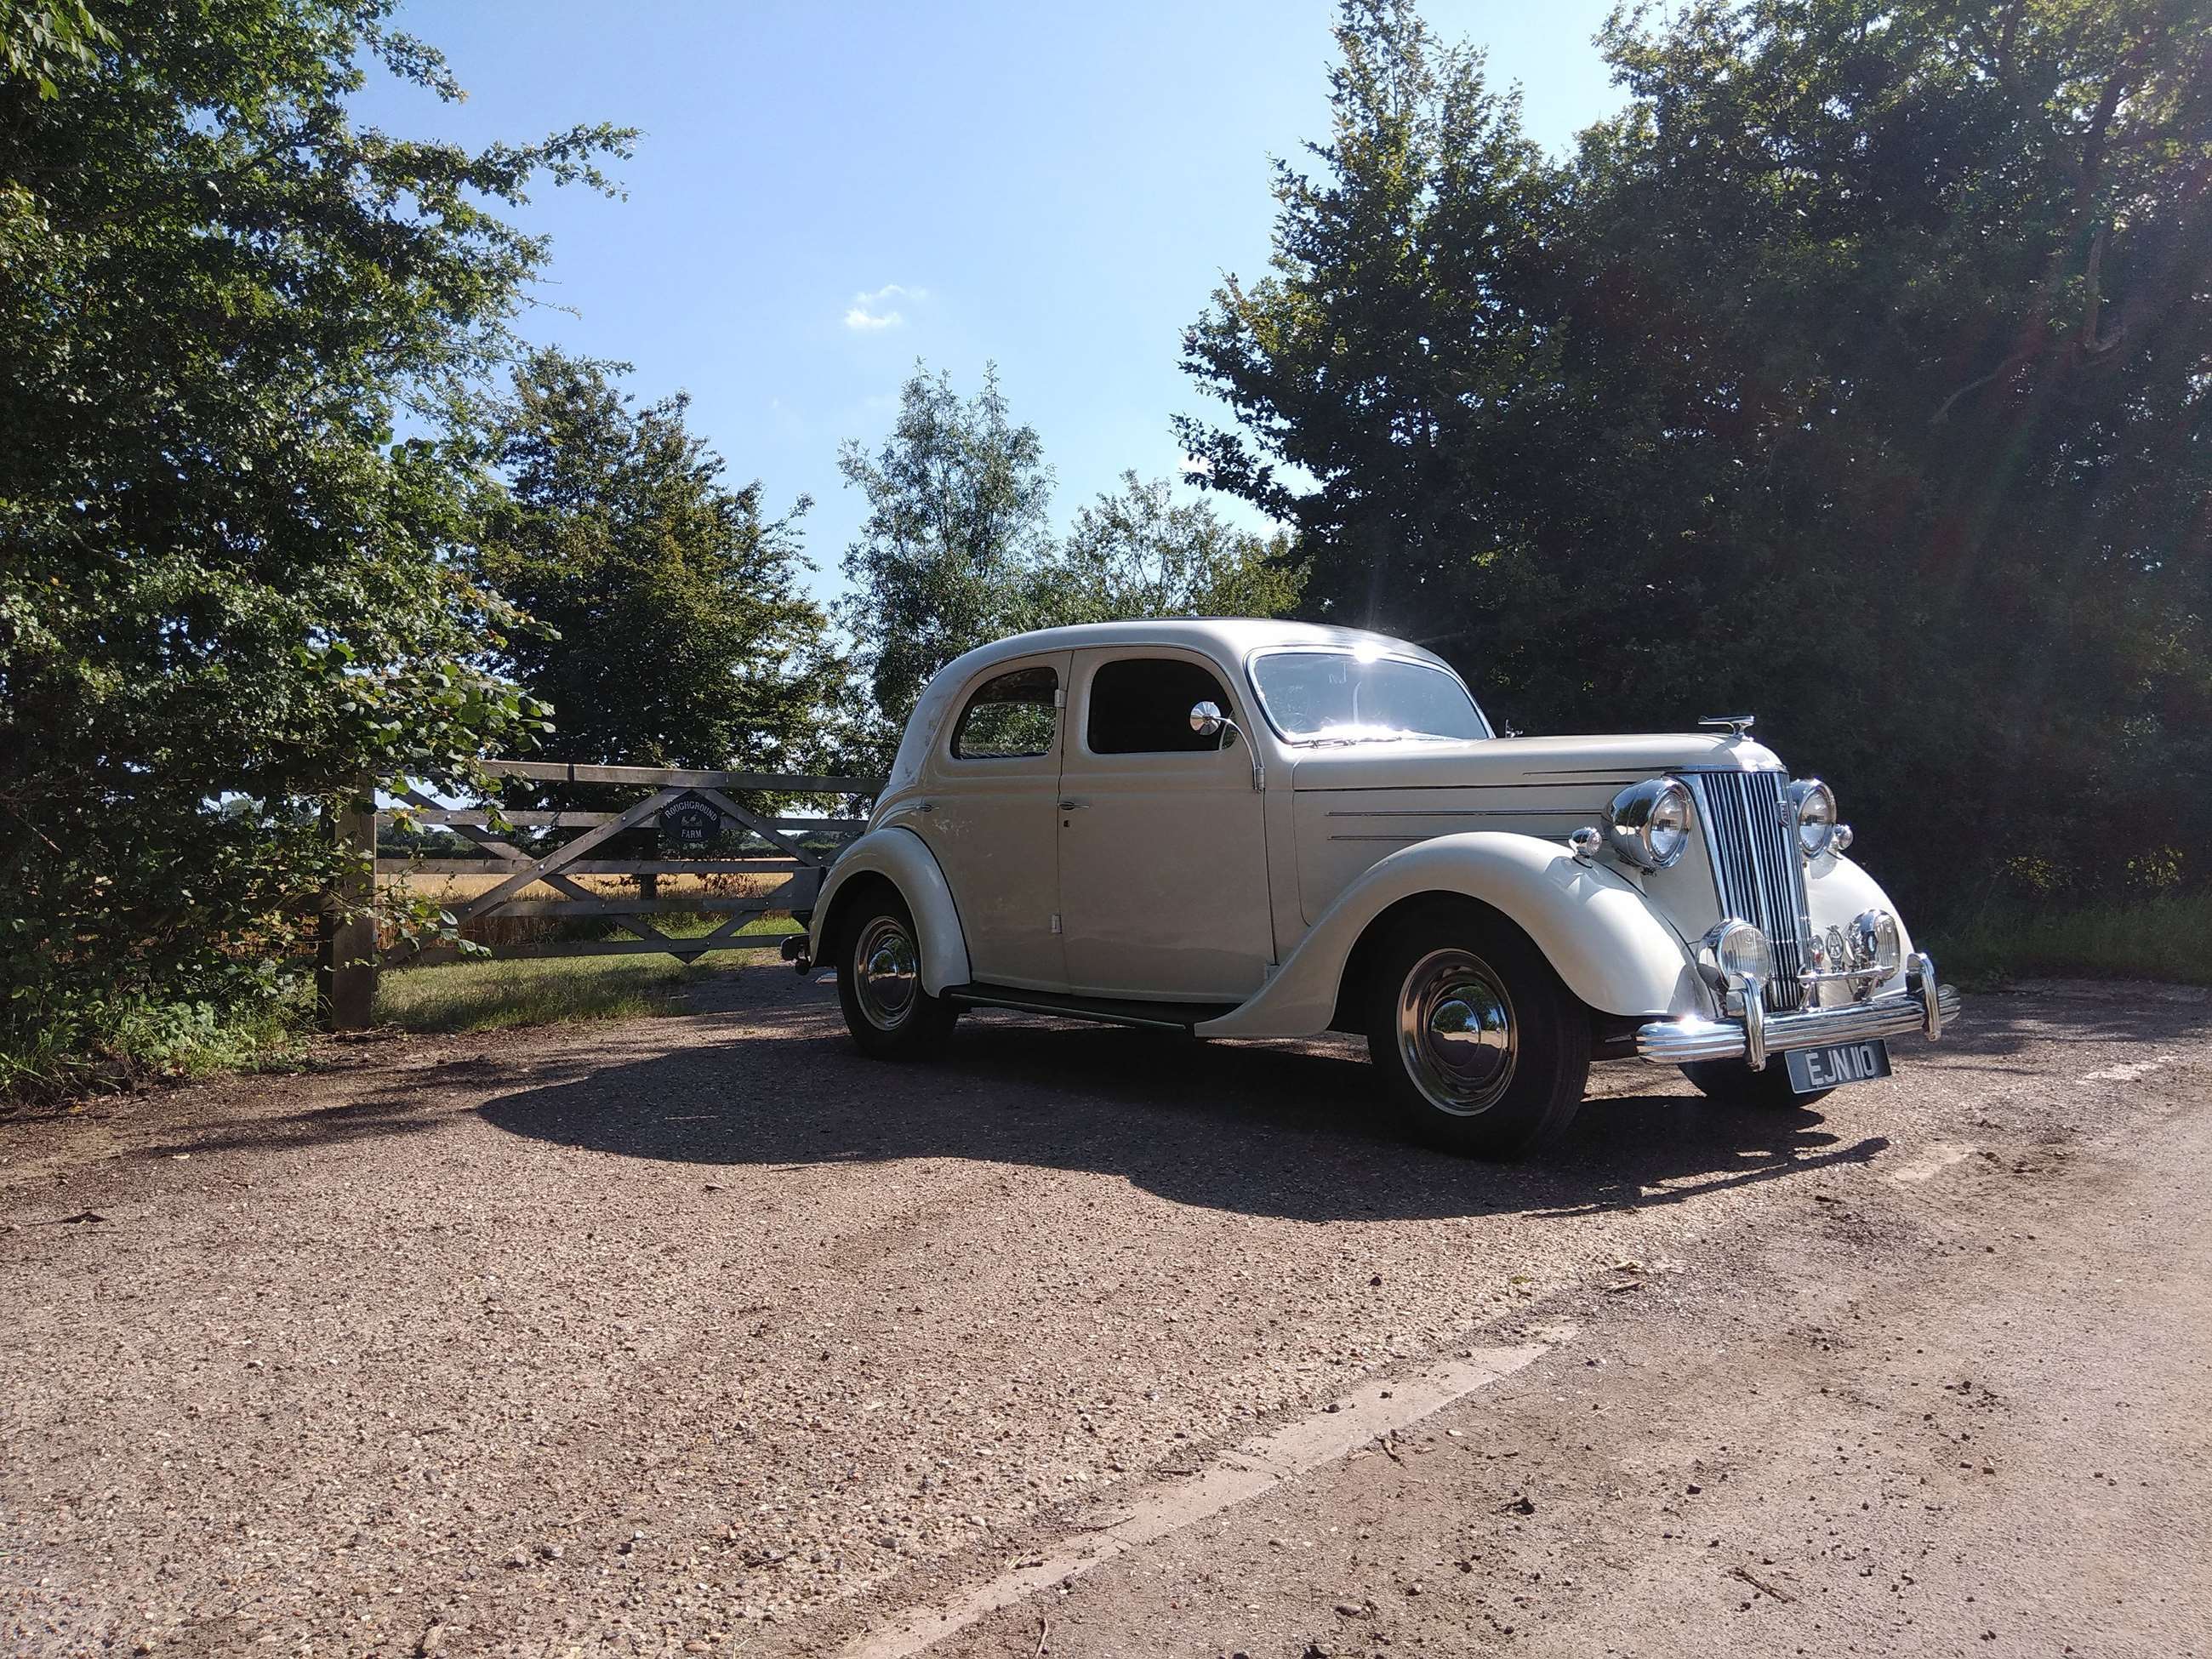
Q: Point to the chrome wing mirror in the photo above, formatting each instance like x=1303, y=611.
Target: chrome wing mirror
x=1208, y=721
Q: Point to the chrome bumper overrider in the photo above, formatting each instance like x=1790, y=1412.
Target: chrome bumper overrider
x=1923, y=1008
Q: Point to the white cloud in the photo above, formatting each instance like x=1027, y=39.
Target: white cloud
x=871, y=312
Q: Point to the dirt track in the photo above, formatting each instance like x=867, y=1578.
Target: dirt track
x=701, y=1334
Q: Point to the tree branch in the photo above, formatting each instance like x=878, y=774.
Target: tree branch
x=2019, y=360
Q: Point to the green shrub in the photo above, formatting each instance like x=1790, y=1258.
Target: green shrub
x=2167, y=938
x=90, y=1045
x=227, y=598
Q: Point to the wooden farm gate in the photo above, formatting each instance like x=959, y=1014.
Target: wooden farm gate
x=705, y=831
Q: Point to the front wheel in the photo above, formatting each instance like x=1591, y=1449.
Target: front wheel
x=880, y=985
x=1732, y=1083
x=1481, y=1049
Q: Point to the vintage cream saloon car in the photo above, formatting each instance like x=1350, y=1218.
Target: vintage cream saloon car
x=1242, y=829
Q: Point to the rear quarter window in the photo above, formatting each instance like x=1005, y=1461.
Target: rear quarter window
x=1010, y=717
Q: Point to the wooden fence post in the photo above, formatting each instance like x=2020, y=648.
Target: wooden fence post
x=346, y=956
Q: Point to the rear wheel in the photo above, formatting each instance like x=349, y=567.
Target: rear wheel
x=889, y=1013
x=1481, y=1049
x=1732, y=1083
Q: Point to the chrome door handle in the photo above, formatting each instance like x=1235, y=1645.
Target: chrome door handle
x=1073, y=805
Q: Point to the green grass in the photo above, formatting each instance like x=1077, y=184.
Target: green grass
x=2163, y=939
x=694, y=927
x=92, y=1046
x=492, y=996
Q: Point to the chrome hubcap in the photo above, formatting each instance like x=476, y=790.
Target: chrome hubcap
x=1456, y=1032
x=886, y=973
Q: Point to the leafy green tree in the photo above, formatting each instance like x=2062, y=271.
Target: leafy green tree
x=958, y=549
x=1853, y=373
x=956, y=533
x=224, y=593
x=1140, y=552
x=1935, y=414
x=38, y=40
x=675, y=630
x=1398, y=350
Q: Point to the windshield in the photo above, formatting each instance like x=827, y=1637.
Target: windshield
x=1333, y=696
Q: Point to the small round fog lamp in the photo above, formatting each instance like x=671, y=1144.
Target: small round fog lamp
x=1740, y=951
x=1875, y=941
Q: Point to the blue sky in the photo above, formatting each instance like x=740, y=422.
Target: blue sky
x=824, y=193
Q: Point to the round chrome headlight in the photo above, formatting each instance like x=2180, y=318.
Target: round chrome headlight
x=1651, y=822
x=1813, y=808
x=1876, y=940
x=1741, y=953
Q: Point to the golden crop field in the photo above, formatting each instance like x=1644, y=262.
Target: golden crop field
x=459, y=890
x=500, y=929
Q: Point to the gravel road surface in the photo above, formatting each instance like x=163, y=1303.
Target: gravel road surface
x=701, y=1334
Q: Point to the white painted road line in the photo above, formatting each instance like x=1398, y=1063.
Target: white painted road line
x=2128, y=1074
x=1933, y=1161
x=1163, y=1506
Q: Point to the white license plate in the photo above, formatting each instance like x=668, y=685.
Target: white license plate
x=1835, y=1064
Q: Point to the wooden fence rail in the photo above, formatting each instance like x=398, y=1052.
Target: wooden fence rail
x=713, y=833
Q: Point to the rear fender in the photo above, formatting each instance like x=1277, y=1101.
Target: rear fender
x=1612, y=948
x=899, y=856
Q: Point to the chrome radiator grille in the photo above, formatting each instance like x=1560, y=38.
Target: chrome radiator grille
x=1757, y=867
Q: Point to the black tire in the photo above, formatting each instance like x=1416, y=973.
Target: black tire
x=879, y=981
x=1732, y=1083
x=1492, y=1053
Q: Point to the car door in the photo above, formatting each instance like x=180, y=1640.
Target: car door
x=1162, y=840
x=990, y=818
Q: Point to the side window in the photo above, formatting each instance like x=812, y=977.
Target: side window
x=1008, y=717
x=1141, y=706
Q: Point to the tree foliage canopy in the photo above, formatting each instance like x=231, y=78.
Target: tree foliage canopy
x=674, y=629
x=224, y=592
x=1140, y=552
x=958, y=498
x=1855, y=374
x=958, y=549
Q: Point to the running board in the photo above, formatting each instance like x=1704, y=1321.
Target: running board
x=1106, y=1010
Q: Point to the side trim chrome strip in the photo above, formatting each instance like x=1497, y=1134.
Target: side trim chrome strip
x=1016, y=1002
x=1475, y=812
x=1417, y=788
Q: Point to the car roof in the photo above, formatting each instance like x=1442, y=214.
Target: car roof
x=1229, y=637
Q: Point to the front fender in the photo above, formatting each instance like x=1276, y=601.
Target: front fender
x=1836, y=891
x=1601, y=935
x=903, y=858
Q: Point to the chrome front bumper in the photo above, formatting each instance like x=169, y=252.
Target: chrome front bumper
x=1923, y=1008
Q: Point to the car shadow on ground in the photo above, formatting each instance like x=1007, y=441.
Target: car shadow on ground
x=1277, y=1130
